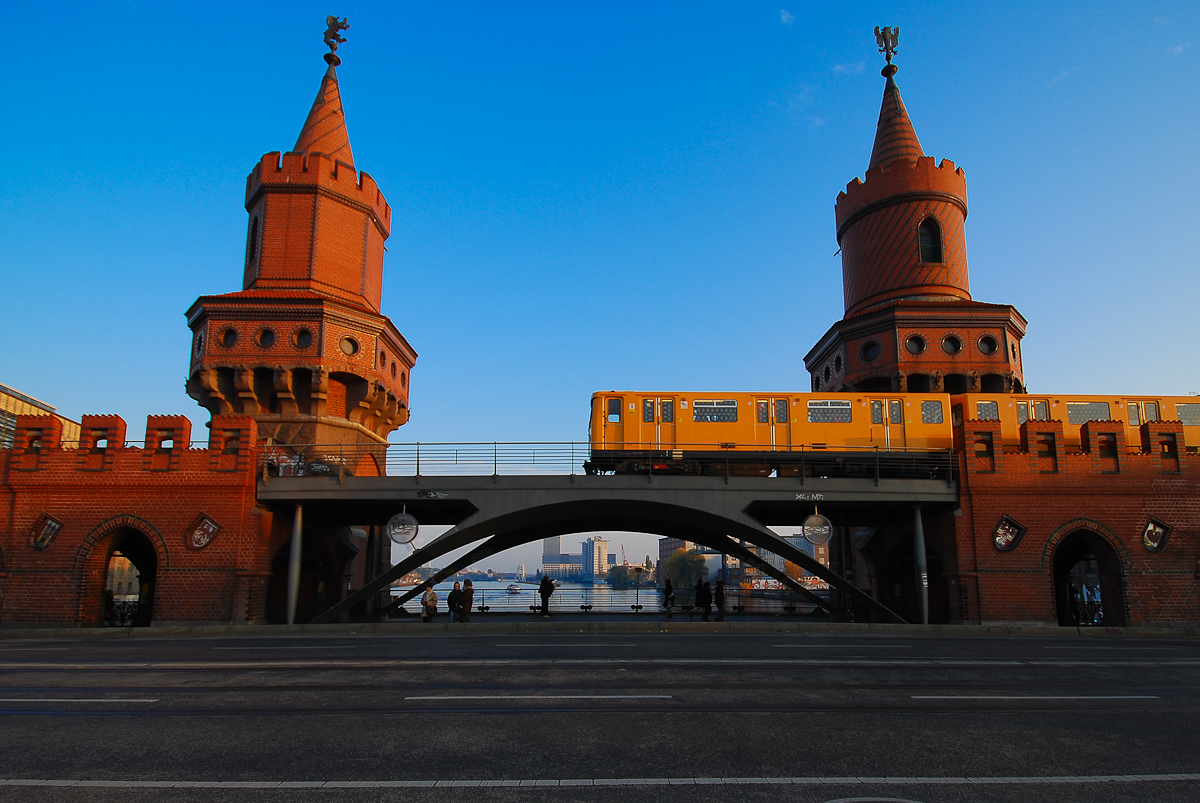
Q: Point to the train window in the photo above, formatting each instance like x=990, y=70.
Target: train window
x=614, y=411
x=1188, y=413
x=876, y=411
x=718, y=411
x=1022, y=412
x=1083, y=412
x=895, y=412
x=668, y=411
x=931, y=412
x=1041, y=411
x=829, y=412
x=647, y=411
x=764, y=411
x=781, y=411
x=1151, y=409
x=1135, y=416
x=987, y=411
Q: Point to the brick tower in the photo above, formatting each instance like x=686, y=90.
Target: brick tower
x=303, y=347
x=910, y=323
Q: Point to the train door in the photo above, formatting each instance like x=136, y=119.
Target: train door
x=771, y=422
x=889, y=413
x=1141, y=412
x=614, y=427
x=1033, y=410
x=657, y=423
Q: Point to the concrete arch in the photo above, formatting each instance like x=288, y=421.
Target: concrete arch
x=524, y=524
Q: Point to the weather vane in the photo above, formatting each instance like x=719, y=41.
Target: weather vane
x=888, y=40
x=333, y=36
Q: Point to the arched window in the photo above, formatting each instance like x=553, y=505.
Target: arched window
x=930, y=235
x=252, y=242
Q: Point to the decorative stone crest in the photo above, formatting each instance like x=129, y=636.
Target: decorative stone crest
x=1008, y=533
x=201, y=532
x=1155, y=534
x=44, y=531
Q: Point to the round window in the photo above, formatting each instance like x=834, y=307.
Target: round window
x=266, y=338
x=828, y=373
x=915, y=344
x=870, y=350
x=199, y=344
x=951, y=344
x=816, y=383
x=837, y=364
x=403, y=379
x=303, y=338
x=988, y=344
x=229, y=338
x=383, y=359
x=349, y=346
x=1014, y=350
x=393, y=370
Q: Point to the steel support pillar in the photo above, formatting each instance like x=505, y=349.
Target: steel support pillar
x=922, y=566
x=293, y=586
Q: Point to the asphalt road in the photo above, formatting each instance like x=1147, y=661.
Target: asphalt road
x=600, y=717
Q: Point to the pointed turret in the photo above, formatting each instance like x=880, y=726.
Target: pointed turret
x=894, y=135
x=325, y=129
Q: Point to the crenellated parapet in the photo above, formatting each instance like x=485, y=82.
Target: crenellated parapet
x=305, y=172
x=898, y=181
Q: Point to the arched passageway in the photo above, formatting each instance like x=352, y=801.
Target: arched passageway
x=131, y=574
x=898, y=582
x=1089, y=587
x=320, y=581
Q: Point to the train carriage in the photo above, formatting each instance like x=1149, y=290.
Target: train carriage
x=757, y=433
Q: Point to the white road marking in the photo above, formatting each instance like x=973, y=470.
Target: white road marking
x=566, y=645
x=321, y=647
x=852, y=646
x=547, y=697
x=75, y=700
x=1036, y=697
x=850, y=780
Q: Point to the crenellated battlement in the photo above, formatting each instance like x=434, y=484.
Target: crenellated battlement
x=899, y=178
x=283, y=172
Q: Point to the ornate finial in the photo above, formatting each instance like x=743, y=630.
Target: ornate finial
x=333, y=37
x=888, y=40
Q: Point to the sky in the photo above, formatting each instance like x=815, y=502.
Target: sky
x=595, y=196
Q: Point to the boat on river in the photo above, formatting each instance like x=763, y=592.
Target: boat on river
x=513, y=588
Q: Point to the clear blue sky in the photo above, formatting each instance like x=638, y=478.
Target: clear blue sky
x=585, y=197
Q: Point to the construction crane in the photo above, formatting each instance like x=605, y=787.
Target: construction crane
x=623, y=561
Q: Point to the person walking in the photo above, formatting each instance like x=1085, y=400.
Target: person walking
x=668, y=593
x=546, y=589
x=719, y=598
x=697, y=598
x=429, y=601
x=452, y=602
x=705, y=600
x=466, y=601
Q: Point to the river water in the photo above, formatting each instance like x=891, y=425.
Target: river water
x=572, y=597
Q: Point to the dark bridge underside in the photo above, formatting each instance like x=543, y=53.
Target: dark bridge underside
x=514, y=510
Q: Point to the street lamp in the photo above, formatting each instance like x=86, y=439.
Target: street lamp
x=637, y=588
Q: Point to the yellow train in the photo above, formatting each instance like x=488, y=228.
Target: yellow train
x=791, y=433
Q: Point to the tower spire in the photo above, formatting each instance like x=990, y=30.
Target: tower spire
x=325, y=129
x=894, y=134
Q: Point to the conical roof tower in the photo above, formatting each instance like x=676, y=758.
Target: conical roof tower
x=910, y=323
x=303, y=347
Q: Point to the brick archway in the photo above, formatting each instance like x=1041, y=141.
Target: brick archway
x=91, y=561
x=1068, y=544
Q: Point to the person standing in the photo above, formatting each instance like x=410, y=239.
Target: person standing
x=704, y=601
x=429, y=601
x=546, y=589
x=668, y=593
x=466, y=601
x=719, y=598
x=452, y=602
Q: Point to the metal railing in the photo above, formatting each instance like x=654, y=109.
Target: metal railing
x=574, y=457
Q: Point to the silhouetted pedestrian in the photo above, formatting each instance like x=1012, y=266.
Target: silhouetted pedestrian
x=668, y=593
x=704, y=601
x=466, y=601
x=453, y=599
x=546, y=590
x=719, y=598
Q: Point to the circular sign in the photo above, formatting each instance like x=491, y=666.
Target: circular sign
x=402, y=528
x=817, y=529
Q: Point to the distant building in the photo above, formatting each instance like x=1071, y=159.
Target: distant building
x=562, y=566
x=595, y=560
x=14, y=403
